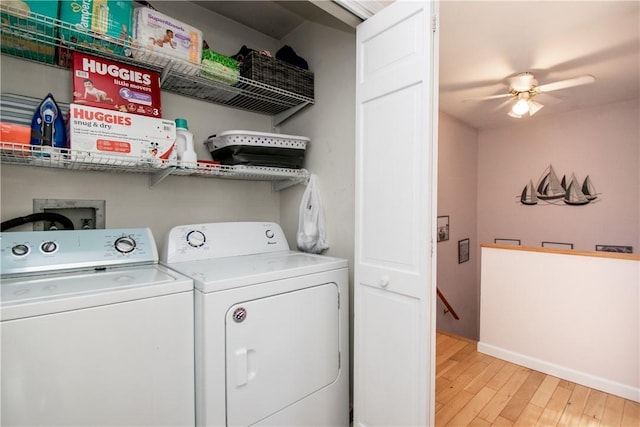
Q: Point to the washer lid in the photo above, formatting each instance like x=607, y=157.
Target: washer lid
x=53, y=293
x=217, y=274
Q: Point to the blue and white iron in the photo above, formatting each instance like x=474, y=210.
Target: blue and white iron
x=47, y=127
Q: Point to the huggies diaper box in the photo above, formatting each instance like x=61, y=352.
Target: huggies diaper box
x=161, y=37
x=102, y=83
x=99, y=24
x=30, y=32
x=97, y=135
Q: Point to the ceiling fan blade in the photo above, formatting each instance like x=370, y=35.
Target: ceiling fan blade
x=547, y=98
x=485, y=98
x=534, y=107
x=502, y=105
x=563, y=84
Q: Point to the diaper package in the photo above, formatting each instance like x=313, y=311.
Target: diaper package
x=105, y=136
x=160, y=38
x=32, y=33
x=99, y=24
x=103, y=83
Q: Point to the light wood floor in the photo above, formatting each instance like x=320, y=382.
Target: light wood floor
x=474, y=389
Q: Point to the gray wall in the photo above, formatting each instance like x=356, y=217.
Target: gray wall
x=330, y=123
x=457, y=198
x=600, y=142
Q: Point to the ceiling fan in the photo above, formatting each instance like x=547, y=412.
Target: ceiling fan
x=524, y=87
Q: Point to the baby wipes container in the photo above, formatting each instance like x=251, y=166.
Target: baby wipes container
x=187, y=157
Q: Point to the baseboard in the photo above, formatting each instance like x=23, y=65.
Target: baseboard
x=578, y=377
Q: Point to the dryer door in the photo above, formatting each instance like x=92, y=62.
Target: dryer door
x=280, y=349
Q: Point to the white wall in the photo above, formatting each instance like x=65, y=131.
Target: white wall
x=572, y=316
x=457, y=198
x=600, y=142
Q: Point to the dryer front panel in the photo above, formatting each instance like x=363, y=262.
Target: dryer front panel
x=280, y=349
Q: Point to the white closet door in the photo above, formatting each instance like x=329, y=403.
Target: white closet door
x=396, y=134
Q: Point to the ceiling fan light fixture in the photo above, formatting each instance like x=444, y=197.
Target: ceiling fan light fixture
x=514, y=115
x=521, y=107
x=534, y=107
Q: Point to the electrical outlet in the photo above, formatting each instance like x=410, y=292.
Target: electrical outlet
x=84, y=214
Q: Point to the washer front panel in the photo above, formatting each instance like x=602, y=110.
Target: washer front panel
x=124, y=364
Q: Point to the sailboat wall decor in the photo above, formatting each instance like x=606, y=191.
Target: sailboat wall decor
x=588, y=189
x=528, y=196
x=574, y=195
x=549, y=186
x=551, y=190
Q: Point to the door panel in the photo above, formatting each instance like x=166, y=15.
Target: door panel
x=396, y=155
x=389, y=355
x=285, y=348
x=389, y=238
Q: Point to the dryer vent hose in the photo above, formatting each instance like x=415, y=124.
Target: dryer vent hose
x=40, y=216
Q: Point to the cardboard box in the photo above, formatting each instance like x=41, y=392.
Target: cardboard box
x=30, y=32
x=160, y=36
x=15, y=139
x=104, y=25
x=104, y=136
x=102, y=83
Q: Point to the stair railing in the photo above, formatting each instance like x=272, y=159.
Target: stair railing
x=447, y=305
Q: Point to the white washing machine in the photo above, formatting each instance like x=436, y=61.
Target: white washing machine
x=272, y=344
x=94, y=331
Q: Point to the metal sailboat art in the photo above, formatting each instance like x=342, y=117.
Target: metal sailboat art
x=574, y=195
x=529, y=196
x=588, y=189
x=549, y=186
x=554, y=191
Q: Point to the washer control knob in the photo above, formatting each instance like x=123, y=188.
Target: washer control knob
x=196, y=238
x=49, y=247
x=125, y=244
x=269, y=233
x=20, y=249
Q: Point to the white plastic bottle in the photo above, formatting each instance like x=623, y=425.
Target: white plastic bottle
x=187, y=157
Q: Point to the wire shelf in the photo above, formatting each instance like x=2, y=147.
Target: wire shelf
x=42, y=39
x=36, y=38
x=79, y=160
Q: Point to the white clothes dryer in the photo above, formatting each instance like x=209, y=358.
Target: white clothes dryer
x=271, y=324
x=94, y=331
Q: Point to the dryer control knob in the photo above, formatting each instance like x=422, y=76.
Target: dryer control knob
x=196, y=238
x=20, y=250
x=49, y=247
x=125, y=244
